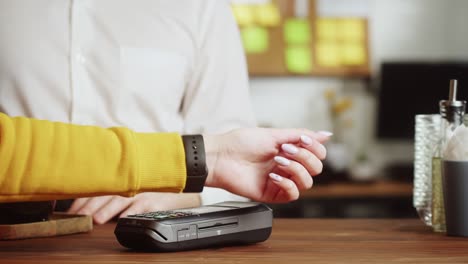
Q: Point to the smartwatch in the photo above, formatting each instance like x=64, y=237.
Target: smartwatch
x=195, y=163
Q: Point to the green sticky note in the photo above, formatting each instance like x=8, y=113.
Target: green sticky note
x=297, y=31
x=255, y=39
x=299, y=59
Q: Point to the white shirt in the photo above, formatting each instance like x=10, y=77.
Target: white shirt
x=174, y=65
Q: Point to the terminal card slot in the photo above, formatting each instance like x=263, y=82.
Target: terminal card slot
x=218, y=224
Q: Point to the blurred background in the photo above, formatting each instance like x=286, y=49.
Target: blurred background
x=361, y=69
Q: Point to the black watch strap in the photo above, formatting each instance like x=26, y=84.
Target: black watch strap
x=195, y=163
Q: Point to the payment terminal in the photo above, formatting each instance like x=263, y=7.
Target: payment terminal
x=221, y=224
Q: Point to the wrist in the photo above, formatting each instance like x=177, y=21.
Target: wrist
x=195, y=162
x=211, y=151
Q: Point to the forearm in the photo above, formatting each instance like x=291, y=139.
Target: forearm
x=42, y=160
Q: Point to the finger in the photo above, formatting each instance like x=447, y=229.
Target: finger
x=294, y=135
x=314, y=146
x=322, y=136
x=116, y=205
x=93, y=204
x=134, y=208
x=288, y=190
x=77, y=205
x=303, y=156
x=298, y=173
x=150, y=202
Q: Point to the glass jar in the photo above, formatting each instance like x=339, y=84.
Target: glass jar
x=426, y=137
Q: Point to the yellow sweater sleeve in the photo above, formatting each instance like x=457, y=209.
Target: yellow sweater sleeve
x=43, y=160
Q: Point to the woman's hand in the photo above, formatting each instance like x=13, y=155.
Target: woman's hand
x=267, y=165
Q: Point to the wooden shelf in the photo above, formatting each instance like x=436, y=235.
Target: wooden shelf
x=356, y=190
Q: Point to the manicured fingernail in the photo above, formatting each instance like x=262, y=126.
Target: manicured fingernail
x=325, y=133
x=306, y=140
x=291, y=149
x=275, y=177
x=282, y=161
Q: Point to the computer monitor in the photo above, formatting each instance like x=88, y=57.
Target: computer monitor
x=410, y=88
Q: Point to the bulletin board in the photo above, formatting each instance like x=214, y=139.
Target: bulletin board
x=281, y=39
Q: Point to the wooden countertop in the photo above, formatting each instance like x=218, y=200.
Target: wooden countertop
x=292, y=241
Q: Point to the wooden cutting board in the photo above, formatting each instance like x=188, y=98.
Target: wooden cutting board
x=58, y=224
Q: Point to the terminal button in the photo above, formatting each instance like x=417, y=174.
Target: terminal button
x=187, y=233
